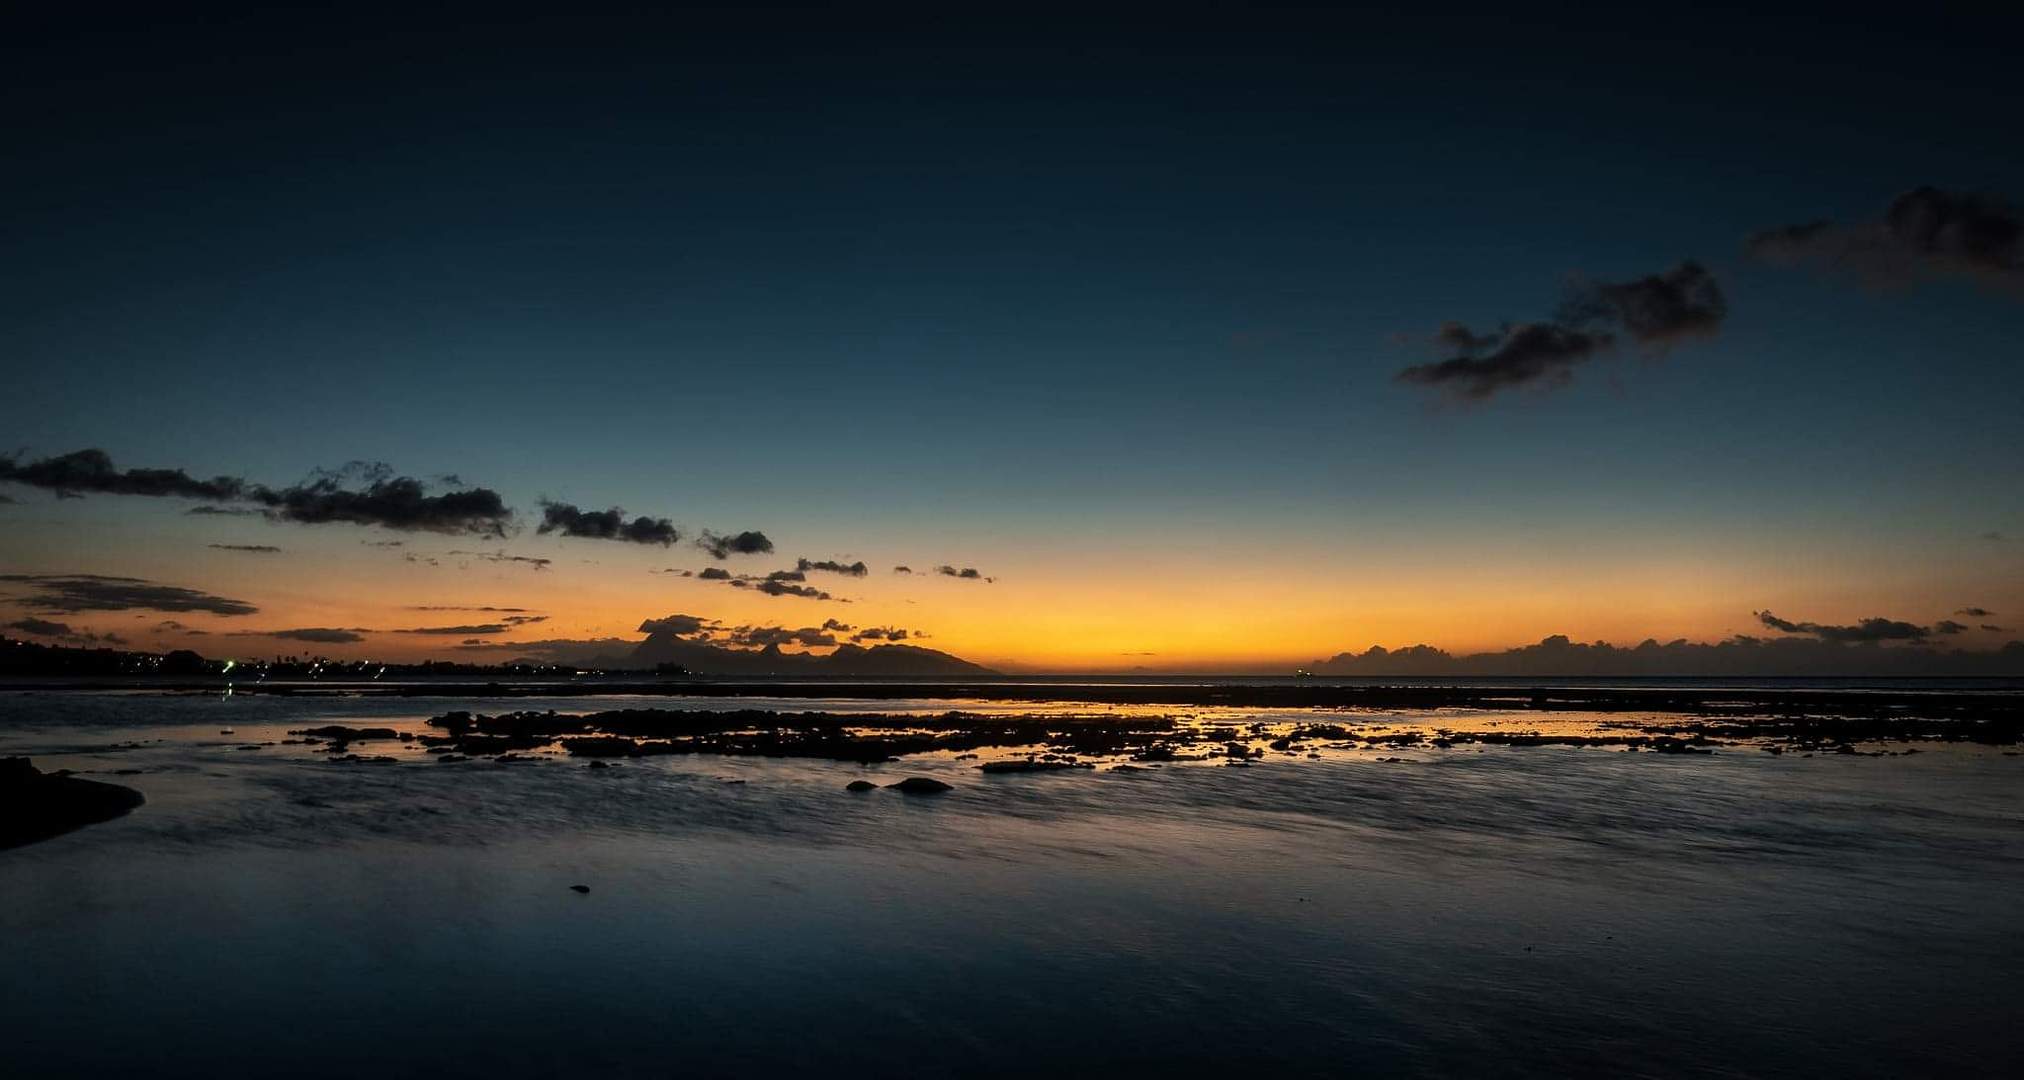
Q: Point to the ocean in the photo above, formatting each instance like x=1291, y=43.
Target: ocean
x=1389, y=910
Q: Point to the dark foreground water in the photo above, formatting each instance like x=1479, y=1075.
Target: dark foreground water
x=1480, y=911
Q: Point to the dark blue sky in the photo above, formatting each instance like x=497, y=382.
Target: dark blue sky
x=1018, y=278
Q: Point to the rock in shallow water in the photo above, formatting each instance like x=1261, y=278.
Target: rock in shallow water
x=860, y=785
x=920, y=785
x=35, y=805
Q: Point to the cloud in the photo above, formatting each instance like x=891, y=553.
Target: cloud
x=1994, y=629
x=772, y=587
x=221, y=511
x=967, y=573
x=1656, y=311
x=259, y=549
x=606, y=525
x=61, y=631
x=318, y=635
x=1867, y=632
x=856, y=569
x=674, y=570
x=837, y=625
x=91, y=472
x=455, y=631
x=744, y=543
x=502, y=557
x=1925, y=232
x=1528, y=354
x=760, y=637
x=524, y=620
x=96, y=592
x=1975, y=612
x=364, y=493
x=360, y=493
x=1949, y=626
x=375, y=543
x=903, y=569
x=885, y=633
x=462, y=607
x=786, y=575
x=714, y=573
x=678, y=625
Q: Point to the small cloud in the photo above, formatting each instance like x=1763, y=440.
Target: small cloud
x=744, y=543
x=903, y=569
x=885, y=633
x=1949, y=626
x=1656, y=311
x=367, y=493
x=501, y=557
x=856, y=569
x=1975, y=612
x=316, y=635
x=714, y=573
x=678, y=625
x=773, y=587
x=1925, y=232
x=454, y=631
x=967, y=573
x=256, y=549
x=606, y=525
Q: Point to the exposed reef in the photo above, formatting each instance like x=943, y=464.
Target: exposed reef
x=1030, y=743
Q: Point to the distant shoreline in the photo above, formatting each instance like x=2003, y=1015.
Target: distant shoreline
x=1727, y=698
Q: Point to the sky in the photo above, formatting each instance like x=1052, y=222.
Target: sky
x=1142, y=321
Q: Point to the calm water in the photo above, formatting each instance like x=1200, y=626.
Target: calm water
x=1469, y=912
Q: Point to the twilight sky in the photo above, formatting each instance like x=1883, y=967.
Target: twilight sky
x=1116, y=313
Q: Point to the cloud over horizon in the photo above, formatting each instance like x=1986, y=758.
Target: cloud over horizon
x=100, y=592
x=1866, y=632
x=1924, y=232
x=831, y=566
x=609, y=524
x=91, y=471
x=1656, y=311
x=725, y=546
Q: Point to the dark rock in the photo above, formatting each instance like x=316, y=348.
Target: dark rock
x=349, y=734
x=860, y=785
x=579, y=888
x=35, y=805
x=920, y=785
x=1031, y=766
